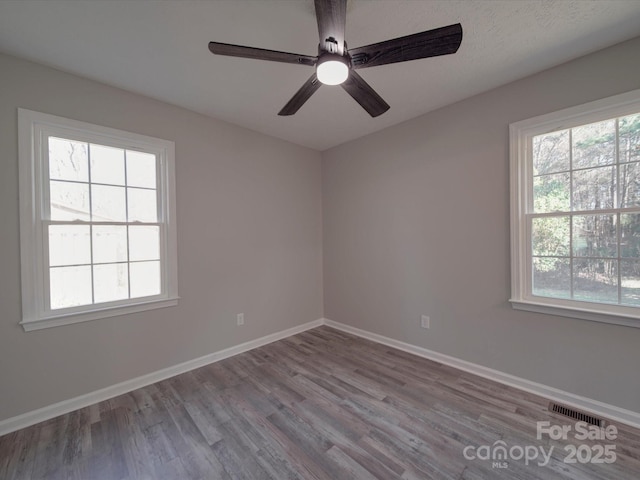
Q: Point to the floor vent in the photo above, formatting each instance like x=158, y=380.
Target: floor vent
x=576, y=414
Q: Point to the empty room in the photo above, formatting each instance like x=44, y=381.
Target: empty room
x=319, y=239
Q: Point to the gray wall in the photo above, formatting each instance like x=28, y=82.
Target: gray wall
x=416, y=221
x=249, y=240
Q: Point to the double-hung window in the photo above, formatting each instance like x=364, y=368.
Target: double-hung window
x=98, y=232
x=575, y=211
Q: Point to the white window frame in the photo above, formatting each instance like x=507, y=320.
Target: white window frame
x=521, y=172
x=34, y=128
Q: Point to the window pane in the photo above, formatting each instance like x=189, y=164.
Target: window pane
x=594, y=144
x=595, y=280
x=70, y=286
x=108, y=203
x=630, y=278
x=630, y=185
x=629, y=138
x=595, y=236
x=69, y=245
x=551, y=153
x=551, y=193
x=110, y=282
x=551, y=277
x=550, y=236
x=69, y=201
x=145, y=279
x=68, y=160
x=107, y=165
x=630, y=235
x=594, y=188
x=109, y=243
x=144, y=243
x=141, y=169
x=142, y=205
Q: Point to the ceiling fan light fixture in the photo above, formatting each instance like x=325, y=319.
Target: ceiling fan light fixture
x=336, y=64
x=332, y=69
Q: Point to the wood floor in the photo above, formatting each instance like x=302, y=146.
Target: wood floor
x=319, y=405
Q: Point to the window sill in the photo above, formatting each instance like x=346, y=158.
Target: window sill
x=68, y=319
x=615, y=318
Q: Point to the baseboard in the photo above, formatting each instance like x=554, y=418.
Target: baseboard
x=594, y=406
x=36, y=416
x=612, y=412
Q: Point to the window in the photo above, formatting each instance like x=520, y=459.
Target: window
x=97, y=220
x=575, y=211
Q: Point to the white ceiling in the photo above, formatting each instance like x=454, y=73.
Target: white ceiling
x=159, y=49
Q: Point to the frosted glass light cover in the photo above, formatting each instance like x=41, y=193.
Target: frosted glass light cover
x=332, y=72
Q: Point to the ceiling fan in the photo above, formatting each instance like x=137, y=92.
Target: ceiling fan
x=337, y=65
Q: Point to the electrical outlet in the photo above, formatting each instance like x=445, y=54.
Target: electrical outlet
x=425, y=321
x=240, y=319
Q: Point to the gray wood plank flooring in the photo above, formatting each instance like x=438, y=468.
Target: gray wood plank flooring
x=319, y=405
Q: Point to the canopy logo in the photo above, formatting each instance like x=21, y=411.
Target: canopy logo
x=500, y=453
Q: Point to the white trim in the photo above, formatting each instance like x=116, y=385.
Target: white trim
x=573, y=312
x=617, y=105
x=69, y=319
x=612, y=412
x=521, y=201
x=33, y=129
x=40, y=415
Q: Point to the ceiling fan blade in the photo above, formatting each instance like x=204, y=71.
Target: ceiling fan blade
x=260, y=54
x=301, y=96
x=366, y=96
x=331, y=16
x=432, y=43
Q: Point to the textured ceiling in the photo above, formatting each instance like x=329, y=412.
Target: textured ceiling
x=159, y=49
